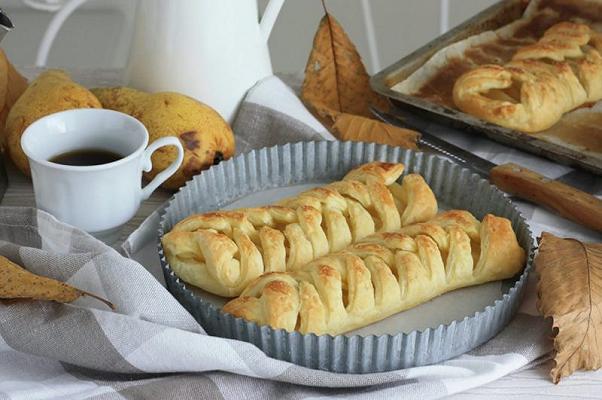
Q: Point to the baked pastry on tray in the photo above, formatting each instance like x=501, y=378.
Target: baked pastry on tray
x=223, y=251
x=383, y=274
x=559, y=73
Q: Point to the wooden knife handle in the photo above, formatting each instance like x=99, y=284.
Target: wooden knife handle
x=565, y=200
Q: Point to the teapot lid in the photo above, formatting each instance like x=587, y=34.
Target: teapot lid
x=5, y=22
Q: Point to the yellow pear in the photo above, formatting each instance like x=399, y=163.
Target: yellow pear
x=206, y=137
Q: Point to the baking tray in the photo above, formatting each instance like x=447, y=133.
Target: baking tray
x=282, y=170
x=491, y=18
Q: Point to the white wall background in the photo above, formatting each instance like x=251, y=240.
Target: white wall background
x=98, y=35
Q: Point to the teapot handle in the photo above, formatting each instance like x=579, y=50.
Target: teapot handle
x=269, y=18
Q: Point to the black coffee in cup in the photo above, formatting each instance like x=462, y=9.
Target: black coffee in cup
x=85, y=157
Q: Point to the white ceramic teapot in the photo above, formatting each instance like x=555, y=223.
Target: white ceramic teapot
x=212, y=50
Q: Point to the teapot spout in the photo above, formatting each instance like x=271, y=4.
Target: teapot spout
x=5, y=24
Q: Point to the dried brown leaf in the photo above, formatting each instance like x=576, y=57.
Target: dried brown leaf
x=570, y=291
x=357, y=128
x=18, y=283
x=336, y=80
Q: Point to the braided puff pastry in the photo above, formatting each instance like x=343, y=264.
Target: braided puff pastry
x=560, y=72
x=383, y=274
x=222, y=251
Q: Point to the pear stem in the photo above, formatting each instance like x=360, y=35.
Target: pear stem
x=108, y=303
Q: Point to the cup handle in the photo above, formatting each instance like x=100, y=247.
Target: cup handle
x=147, y=164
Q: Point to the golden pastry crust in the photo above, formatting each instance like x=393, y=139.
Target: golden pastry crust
x=559, y=73
x=222, y=251
x=383, y=274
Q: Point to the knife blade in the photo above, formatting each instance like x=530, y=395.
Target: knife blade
x=434, y=144
x=565, y=200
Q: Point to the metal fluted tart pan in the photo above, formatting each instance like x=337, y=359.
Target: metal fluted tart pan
x=323, y=162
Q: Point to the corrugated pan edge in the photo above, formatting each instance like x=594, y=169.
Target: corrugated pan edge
x=318, y=161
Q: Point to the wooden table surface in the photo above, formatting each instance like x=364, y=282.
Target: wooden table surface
x=533, y=383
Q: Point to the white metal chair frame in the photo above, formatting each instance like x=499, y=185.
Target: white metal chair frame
x=64, y=8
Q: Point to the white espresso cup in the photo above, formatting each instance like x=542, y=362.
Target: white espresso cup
x=96, y=198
